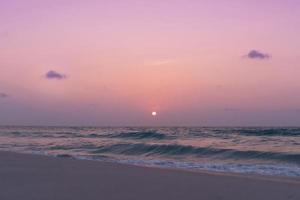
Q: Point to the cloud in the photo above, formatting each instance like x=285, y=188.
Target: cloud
x=254, y=54
x=55, y=75
x=3, y=95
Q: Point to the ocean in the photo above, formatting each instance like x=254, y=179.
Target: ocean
x=266, y=151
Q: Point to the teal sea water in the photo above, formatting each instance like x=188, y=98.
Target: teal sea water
x=266, y=151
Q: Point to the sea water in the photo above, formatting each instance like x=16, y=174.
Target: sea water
x=267, y=151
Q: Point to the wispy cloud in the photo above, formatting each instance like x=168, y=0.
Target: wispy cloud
x=255, y=54
x=55, y=75
x=3, y=95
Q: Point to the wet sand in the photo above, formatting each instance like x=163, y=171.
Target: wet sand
x=34, y=177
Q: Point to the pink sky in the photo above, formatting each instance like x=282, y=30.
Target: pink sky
x=187, y=60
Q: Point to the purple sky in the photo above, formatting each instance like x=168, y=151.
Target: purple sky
x=113, y=62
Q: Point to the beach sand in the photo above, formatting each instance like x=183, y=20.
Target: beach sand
x=34, y=177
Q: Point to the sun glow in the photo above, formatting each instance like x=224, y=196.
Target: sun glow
x=154, y=113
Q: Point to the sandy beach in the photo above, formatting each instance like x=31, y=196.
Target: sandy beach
x=34, y=177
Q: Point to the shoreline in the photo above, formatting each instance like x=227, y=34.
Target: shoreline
x=201, y=171
x=32, y=176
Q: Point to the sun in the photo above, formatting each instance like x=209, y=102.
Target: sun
x=154, y=113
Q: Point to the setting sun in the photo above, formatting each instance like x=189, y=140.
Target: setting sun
x=154, y=113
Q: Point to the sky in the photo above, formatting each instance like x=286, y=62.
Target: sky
x=114, y=62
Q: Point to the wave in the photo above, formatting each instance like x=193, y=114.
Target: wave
x=15, y=133
x=134, y=135
x=123, y=135
x=42, y=134
x=177, y=150
x=64, y=156
x=263, y=169
x=142, y=135
x=269, y=131
x=223, y=133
